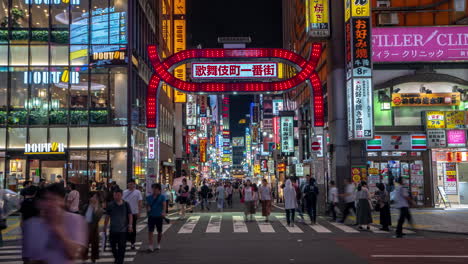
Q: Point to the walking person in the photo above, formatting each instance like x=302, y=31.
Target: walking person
x=55, y=236
x=134, y=198
x=298, y=198
x=311, y=192
x=333, y=200
x=220, y=195
x=183, y=195
x=402, y=202
x=73, y=199
x=119, y=213
x=93, y=214
x=290, y=202
x=229, y=191
x=249, y=198
x=383, y=206
x=264, y=192
x=204, y=196
x=156, y=205
x=349, y=199
x=364, y=208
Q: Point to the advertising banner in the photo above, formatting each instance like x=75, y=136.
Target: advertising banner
x=277, y=106
x=263, y=165
x=422, y=99
x=456, y=138
x=203, y=142
x=318, y=16
x=436, y=138
x=191, y=110
x=455, y=119
x=238, y=141
x=287, y=134
x=420, y=44
x=151, y=148
x=435, y=119
x=450, y=179
x=237, y=70
x=362, y=119
x=299, y=169
x=416, y=142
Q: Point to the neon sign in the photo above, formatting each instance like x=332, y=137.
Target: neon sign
x=218, y=70
x=51, y=77
x=44, y=148
x=51, y=2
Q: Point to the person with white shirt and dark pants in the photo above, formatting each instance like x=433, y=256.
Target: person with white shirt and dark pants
x=333, y=199
x=349, y=199
x=402, y=202
x=133, y=197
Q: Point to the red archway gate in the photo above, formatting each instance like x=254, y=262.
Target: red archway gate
x=305, y=68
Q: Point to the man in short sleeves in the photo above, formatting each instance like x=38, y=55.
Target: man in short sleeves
x=156, y=204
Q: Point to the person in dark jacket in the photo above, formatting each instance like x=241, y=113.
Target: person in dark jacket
x=204, y=193
x=383, y=205
x=93, y=213
x=311, y=192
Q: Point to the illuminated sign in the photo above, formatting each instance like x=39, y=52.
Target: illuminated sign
x=44, y=148
x=287, y=134
x=108, y=57
x=51, y=2
x=421, y=99
x=180, y=43
x=317, y=13
x=219, y=70
x=237, y=141
x=191, y=108
x=456, y=138
x=51, y=77
x=151, y=148
x=277, y=106
x=203, y=143
x=435, y=119
x=360, y=110
x=360, y=8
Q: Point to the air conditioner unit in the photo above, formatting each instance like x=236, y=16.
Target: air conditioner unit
x=383, y=3
x=388, y=19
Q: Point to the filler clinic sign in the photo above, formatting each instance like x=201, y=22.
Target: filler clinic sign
x=410, y=44
x=234, y=70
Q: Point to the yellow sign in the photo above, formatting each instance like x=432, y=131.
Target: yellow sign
x=179, y=97
x=435, y=119
x=373, y=171
x=455, y=119
x=180, y=45
x=318, y=11
x=179, y=7
x=257, y=169
x=347, y=10
x=360, y=8
x=423, y=99
x=450, y=173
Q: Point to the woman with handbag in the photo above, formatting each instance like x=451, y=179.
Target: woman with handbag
x=93, y=214
x=183, y=197
x=383, y=206
x=364, y=208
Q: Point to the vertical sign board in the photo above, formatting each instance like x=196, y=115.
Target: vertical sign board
x=318, y=18
x=203, y=142
x=180, y=44
x=287, y=134
x=191, y=108
x=151, y=148
x=359, y=69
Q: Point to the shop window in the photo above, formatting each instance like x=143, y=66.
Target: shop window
x=79, y=55
x=40, y=18
x=19, y=14
x=58, y=55
x=79, y=91
x=18, y=96
x=3, y=138
x=78, y=137
x=78, y=169
x=16, y=137
x=118, y=95
x=60, y=16
x=3, y=16
x=39, y=79
x=100, y=21
x=98, y=166
x=19, y=55
x=79, y=28
x=39, y=55
x=3, y=51
x=3, y=95
x=58, y=134
x=38, y=135
x=17, y=174
x=99, y=95
x=108, y=137
x=2, y=172
x=118, y=163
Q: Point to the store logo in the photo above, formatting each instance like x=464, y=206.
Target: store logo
x=51, y=2
x=51, y=77
x=44, y=148
x=111, y=55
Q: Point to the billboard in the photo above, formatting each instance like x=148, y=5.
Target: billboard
x=287, y=134
x=191, y=110
x=318, y=23
x=238, y=141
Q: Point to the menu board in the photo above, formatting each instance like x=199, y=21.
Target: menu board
x=450, y=178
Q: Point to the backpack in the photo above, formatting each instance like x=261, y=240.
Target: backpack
x=311, y=191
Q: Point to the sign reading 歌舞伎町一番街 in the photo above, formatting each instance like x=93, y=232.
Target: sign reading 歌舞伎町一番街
x=410, y=44
x=237, y=70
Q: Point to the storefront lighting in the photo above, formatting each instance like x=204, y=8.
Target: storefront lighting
x=385, y=106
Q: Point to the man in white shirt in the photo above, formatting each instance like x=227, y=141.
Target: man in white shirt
x=73, y=199
x=333, y=199
x=133, y=197
x=349, y=199
x=402, y=200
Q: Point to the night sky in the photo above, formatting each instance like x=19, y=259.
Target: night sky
x=259, y=19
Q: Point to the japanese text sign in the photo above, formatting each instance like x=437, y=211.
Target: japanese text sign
x=203, y=149
x=361, y=116
x=191, y=108
x=419, y=99
x=435, y=119
x=409, y=44
x=319, y=18
x=151, y=148
x=455, y=119
x=360, y=8
x=361, y=64
x=287, y=134
x=234, y=70
x=456, y=138
x=436, y=138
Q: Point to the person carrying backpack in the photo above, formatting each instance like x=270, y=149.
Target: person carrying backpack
x=204, y=193
x=311, y=192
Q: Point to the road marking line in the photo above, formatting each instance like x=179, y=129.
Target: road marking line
x=344, y=228
x=10, y=251
x=188, y=227
x=378, y=231
x=291, y=229
x=419, y=256
x=214, y=225
x=408, y=231
x=239, y=224
x=265, y=227
x=320, y=228
x=165, y=228
x=140, y=227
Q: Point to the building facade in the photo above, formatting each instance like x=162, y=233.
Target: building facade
x=73, y=78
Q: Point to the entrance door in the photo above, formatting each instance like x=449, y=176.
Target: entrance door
x=53, y=168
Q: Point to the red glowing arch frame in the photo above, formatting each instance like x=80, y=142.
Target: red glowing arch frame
x=306, y=72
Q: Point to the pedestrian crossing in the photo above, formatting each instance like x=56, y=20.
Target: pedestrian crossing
x=12, y=254
x=222, y=223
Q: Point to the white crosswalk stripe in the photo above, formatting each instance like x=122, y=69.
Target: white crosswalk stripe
x=320, y=228
x=265, y=227
x=239, y=224
x=214, y=226
x=345, y=228
x=291, y=229
x=188, y=227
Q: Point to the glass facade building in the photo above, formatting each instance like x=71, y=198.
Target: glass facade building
x=65, y=77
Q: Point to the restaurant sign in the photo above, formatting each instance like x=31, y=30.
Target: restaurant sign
x=44, y=148
x=421, y=99
x=410, y=44
x=318, y=18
